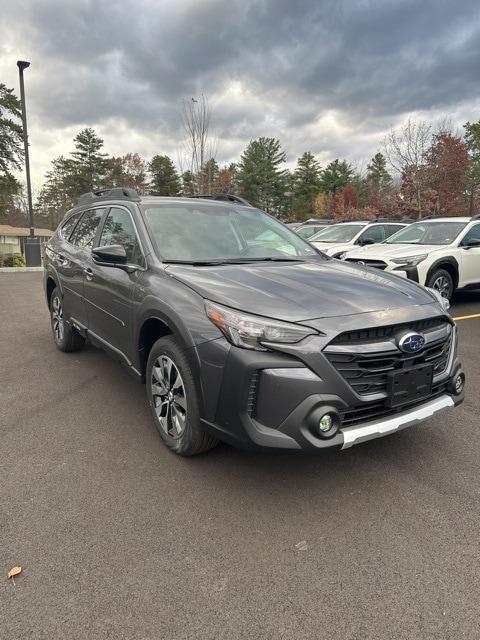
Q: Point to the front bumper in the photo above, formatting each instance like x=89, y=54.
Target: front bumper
x=273, y=400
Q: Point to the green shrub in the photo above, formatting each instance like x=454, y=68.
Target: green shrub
x=15, y=260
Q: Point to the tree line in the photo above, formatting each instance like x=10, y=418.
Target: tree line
x=420, y=170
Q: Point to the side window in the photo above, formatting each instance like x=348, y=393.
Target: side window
x=85, y=230
x=119, y=229
x=372, y=233
x=390, y=229
x=67, y=228
x=473, y=234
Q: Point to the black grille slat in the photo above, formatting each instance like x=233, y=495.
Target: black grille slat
x=376, y=410
x=367, y=372
x=376, y=333
x=376, y=264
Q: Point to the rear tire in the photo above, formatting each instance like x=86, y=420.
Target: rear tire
x=442, y=281
x=66, y=337
x=174, y=399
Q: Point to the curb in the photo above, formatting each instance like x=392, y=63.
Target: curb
x=19, y=269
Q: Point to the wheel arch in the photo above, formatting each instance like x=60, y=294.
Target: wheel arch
x=50, y=286
x=448, y=263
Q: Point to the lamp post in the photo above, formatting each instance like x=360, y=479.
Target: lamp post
x=32, y=244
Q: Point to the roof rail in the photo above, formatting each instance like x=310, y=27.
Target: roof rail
x=115, y=193
x=225, y=197
x=475, y=217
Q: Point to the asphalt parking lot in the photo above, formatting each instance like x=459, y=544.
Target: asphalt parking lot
x=118, y=538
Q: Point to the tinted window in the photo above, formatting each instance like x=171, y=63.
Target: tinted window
x=375, y=234
x=473, y=234
x=85, y=230
x=67, y=228
x=119, y=229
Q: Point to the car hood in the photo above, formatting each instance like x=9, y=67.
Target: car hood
x=393, y=250
x=301, y=291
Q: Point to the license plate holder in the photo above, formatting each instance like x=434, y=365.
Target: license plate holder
x=408, y=385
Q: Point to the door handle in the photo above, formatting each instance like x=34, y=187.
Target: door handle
x=88, y=273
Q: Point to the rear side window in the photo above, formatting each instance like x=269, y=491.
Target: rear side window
x=85, y=230
x=67, y=228
x=119, y=229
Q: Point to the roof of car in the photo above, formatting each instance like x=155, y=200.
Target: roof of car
x=445, y=219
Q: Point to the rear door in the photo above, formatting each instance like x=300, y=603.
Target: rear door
x=76, y=258
x=109, y=290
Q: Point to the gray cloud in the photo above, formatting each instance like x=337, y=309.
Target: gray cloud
x=330, y=76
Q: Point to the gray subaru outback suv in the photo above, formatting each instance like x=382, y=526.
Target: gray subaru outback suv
x=241, y=330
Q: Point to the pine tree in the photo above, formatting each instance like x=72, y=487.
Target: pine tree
x=472, y=139
x=11, y=148
x=378, y=177
x=306, y=185
x=188, y=184
x=209, y=176
x=89, y=163
x=336, y=176
x=55, y=197
x=261, y=178
x=164, y=180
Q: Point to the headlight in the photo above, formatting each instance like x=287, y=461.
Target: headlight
x=248, y=331
x=411, y=261
x=443, y=302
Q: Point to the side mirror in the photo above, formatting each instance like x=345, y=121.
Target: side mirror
x=113, y=255
x=366, y=241
x=472, y=243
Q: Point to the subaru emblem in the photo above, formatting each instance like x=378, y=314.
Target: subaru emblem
x=411, y=342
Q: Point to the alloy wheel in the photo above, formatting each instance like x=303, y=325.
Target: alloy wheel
x=57, y=320
x=442, y=285
x=169, y=396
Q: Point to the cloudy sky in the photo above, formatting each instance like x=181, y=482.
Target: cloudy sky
x=329, y=76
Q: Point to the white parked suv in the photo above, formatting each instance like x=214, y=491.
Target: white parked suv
x=441, y=253
x=341, y=237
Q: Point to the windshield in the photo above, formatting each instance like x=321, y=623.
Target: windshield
x=200, y=232
x=428, y=233
x=309, y=230
x=338, y=233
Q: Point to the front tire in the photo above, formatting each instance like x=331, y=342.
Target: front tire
x=174, y=399
x=66, y=337
x=442, y=281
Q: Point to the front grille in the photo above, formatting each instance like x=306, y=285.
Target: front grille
x=377, y=333
x=376, y=410
x=366, y=368
x=376, y=264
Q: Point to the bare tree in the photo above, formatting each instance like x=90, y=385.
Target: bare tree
x=406, y=146
x=200, y=144
x=405, y=149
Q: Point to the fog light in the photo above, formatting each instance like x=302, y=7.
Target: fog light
x=459, y=383
x=326, y=423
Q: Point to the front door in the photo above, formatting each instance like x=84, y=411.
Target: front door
x=109, y=290
x=470, y=257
